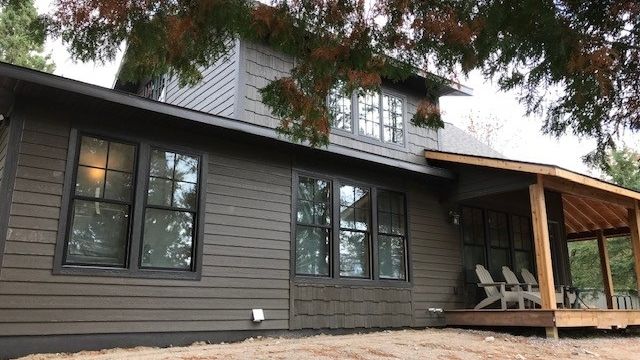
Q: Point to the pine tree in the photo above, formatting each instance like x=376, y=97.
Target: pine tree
x=22, y=36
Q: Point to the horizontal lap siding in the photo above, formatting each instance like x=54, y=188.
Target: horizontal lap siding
x=245, y=260
x=436, y=255
x=214, y=94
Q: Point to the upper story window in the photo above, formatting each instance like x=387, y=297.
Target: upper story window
x=340, y=244
x=132, y=208
x=378, y=116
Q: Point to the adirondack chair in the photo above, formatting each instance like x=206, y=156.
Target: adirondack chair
x=497, y=291
x=529, y=278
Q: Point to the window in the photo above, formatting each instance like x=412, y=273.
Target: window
x=391, y=235
x=313, y=230
x=522, y=243
x=380, y=116
x=106, y=229
x=339, y=243
x=101, y=203
x=355, y=211
x=340, y=110
x=170, y=213
x=498, y=241
x=473, y=238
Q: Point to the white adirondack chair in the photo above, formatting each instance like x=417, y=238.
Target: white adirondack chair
x=497, y=291
x=529, y=278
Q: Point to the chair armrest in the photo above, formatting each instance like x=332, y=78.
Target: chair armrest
x=491, y=284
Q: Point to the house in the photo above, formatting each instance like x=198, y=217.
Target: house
x=167, y=220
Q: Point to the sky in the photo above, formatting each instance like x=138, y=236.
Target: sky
x=518, y=136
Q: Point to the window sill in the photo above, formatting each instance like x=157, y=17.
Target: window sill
x=310, y=280
x=127, y=273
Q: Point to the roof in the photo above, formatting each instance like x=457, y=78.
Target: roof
x=455, y=140
x=532, y=168
x=30, y=82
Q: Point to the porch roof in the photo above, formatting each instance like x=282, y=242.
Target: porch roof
x=589, y=204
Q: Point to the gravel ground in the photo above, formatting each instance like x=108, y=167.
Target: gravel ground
x=398, y=344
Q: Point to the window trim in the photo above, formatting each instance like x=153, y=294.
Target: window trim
x=355, y=122
x=132, y=269
x=334, y=278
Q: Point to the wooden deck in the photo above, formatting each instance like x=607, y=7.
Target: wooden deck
x=560, y=318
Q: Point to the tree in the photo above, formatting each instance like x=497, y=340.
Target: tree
x=623, y=168
x=22, y=36
x=590, y=50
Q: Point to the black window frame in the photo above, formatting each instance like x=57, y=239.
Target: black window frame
x=334, y=277
x=133, y=259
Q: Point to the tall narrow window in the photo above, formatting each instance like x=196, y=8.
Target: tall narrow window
x=391, y=235
x=473, y=239
x=171, y=210
x=498, y=241
x=355, y=239
x=101, y=204
x=522, y=243
x=369, y=114
x=313, y=229
x=340, y=110
x=392, y=119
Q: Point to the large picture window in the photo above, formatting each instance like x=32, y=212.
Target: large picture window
x=341, y=244
x=105, y=227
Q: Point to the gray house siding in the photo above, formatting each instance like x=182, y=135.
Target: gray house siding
x=215, y=93
x=246, y=253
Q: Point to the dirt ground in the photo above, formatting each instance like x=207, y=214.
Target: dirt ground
x=399, y=344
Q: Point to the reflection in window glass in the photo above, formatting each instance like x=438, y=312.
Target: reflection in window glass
x=313, y=228
x=391, y=235
x=392, y=119
x=101, y=203
x=339, y=106
x=355, y=210
x=369, y=114
x=172, y=201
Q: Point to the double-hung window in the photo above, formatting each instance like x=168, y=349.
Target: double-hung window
x=377, y=115
x=133, y=208
x=340, y=243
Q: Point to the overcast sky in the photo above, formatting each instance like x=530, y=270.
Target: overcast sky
x=519, y=137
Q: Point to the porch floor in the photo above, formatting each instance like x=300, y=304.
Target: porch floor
x=561, y=318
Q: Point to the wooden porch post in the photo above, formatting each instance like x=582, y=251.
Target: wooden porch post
x=607, y=280
x=543, y=249
x=634, y=227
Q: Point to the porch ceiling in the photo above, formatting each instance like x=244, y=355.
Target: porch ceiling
x=585, y=216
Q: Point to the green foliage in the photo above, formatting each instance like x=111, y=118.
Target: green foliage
x=22, y=36
x=585, y=264
x=623, y=168
x=588, y=50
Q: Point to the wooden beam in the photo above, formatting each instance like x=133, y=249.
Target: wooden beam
x=542, y=246
x=634, y=227
x=607, y=280
x=534, y=168
x=593, y=213
x=569, y=187
x=590, y=235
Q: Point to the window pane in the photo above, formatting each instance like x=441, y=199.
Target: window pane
x=354, y=254
x=184, y=195
x=312, y=251
x=499, y=258
x=121, y=157
x=339, y=106
x=162, y=163
x=160, y=191
x=93, y=152
x=167, y=239
x=118, y=186
x=98, y=234
x=391, y=257
x=392, y=117
x=89, y=182
x=522, y=261
x=473, y=255
x=355, y=207
x=186, y=168
x=369, y=114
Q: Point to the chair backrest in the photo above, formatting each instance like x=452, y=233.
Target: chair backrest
x=485, y=278
x=528, y=277
x=509, y=276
